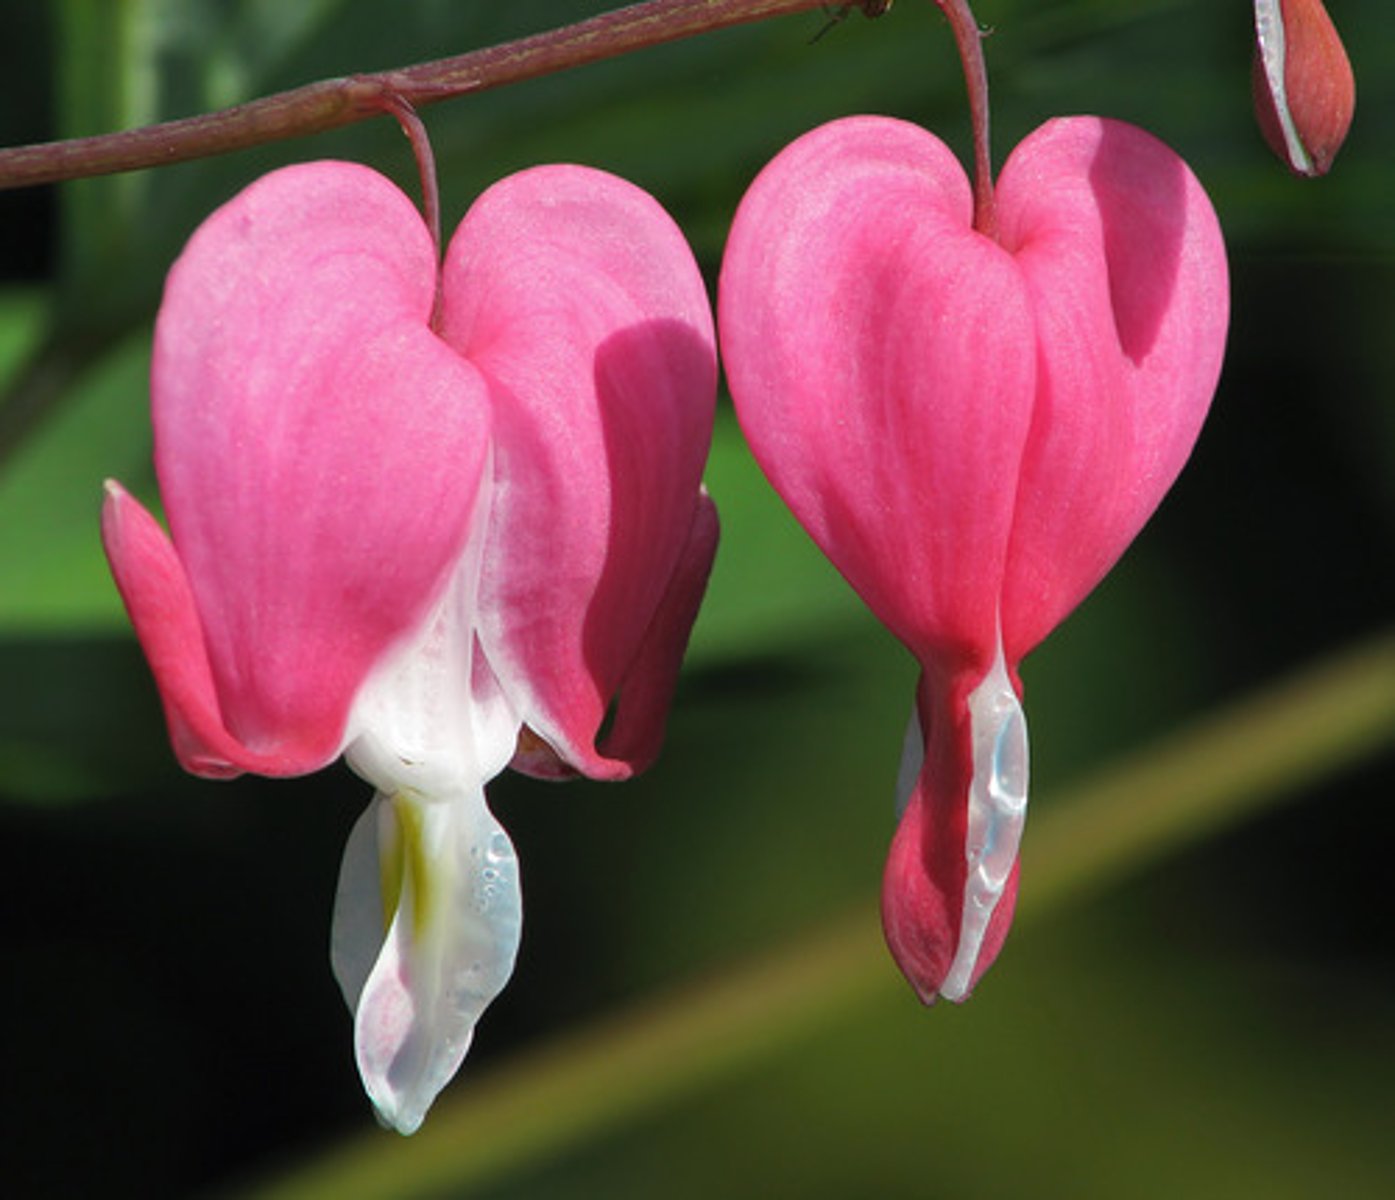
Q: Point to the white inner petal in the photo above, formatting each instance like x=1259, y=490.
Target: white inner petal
x=432, y=886
x=430, y=719
x=997, y=812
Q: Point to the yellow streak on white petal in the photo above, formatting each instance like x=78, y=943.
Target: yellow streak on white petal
x=404, y=864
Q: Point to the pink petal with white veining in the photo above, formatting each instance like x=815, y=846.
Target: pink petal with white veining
x=880, y=356
x=577, y=298
x=1123, y=259
x=319, y=451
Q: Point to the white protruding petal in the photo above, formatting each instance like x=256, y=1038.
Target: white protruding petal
x=445, y=877
x=997, y=812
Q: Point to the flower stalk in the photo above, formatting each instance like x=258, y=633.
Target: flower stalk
x=332, y=103
x=415, y=132
x=968, y=37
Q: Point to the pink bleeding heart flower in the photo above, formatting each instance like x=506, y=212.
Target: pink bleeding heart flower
x=972, y=430
x=419, y=549
x=1304, y=89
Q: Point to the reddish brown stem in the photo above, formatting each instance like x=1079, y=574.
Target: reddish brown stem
x=969, y=39
x=430, y=191
x=426, y=163
x=332, y=103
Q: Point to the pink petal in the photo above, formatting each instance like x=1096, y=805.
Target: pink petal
x=646, y=694
x=156, y=592
x=579, y=301
x=881, y=358
x=318, y=449
x=1124, y=263
x=636, y=734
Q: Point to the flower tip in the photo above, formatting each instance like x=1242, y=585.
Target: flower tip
x=113, y=495
x=926, y=991
x=926, y=951
x=114, y=501
x=399, y=1118
x=922, y=921
x=1304, y=89
x=935, y=977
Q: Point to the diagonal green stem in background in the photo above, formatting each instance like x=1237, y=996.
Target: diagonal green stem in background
x=1195, y=783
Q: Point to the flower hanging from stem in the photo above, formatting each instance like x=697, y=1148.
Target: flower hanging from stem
x=435, y=519
x=972, y=399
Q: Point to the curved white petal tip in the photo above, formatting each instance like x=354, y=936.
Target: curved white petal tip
x=426, y=928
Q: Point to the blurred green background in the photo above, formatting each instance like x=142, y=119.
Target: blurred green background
x=1219, y=1023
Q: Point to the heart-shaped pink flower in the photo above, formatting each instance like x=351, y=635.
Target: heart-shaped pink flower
x=430, y=551
x=972, y=430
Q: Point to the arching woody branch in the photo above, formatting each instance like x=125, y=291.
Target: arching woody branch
x=332, y=103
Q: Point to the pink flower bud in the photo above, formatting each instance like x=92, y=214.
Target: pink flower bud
x=1303, y=86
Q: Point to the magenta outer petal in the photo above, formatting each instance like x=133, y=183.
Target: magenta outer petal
x=577, y=298
x=646, y=694
x=153, y=585
x=636, y=734
x=319, y=450
x=1124, y=262
x=880, y=356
